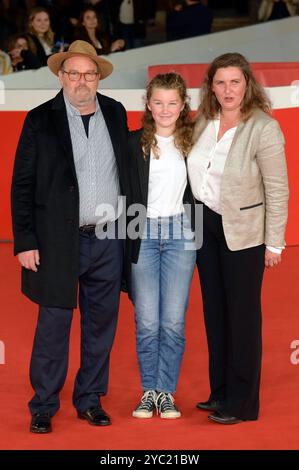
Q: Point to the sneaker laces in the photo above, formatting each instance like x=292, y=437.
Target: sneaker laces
x=148, y=398
x=165, y=401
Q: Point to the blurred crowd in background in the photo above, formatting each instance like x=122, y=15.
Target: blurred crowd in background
x=31, y=30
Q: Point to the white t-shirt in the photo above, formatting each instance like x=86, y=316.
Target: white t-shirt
x=126, y=12
x=47, y=48
x=167, y=180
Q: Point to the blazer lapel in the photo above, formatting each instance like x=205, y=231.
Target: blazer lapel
x=61, y=127
x=234, y=143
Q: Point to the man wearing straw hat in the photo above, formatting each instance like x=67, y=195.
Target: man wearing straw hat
x=71, y=158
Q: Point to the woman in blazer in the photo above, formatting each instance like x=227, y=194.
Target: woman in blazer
x=163, y=259
x=237, y=170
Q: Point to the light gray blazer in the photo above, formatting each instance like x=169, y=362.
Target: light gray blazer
x=254, y=188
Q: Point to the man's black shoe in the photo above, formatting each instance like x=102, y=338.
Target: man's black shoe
x=41, y=423
x=95, y=416
x=223, y=418
x=210, y=405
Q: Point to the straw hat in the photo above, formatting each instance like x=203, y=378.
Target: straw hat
x=84, y=49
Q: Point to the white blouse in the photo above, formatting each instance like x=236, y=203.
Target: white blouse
x=206, y=164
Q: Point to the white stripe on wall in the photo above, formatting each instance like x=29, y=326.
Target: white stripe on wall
x=133, y=100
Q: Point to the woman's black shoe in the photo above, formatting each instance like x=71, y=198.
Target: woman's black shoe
x=223, y=418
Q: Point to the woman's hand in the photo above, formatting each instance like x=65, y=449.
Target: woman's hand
x=271, y=259
x=117, y=45
x=63, y=47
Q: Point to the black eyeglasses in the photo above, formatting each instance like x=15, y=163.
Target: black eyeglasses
x=75, y=76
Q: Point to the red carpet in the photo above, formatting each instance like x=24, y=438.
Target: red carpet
x=277, y=427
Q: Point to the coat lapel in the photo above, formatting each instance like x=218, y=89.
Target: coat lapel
x=61, y=127
x=109, y=116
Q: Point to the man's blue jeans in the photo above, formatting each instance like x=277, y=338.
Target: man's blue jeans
x=160, y=288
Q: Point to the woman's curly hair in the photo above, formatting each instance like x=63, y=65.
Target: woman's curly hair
x=184, y=126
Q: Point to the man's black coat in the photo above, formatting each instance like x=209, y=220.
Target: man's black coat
x=45, y=197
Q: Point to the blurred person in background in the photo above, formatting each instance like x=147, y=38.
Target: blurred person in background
x=65, y=15
x=40, y=31
x=89, y=29
x=13, y=16
x=277, y=9
x=5, y=63
x=253, y=8
x=22, y=52
x=129, y=21
x=188, y=18
x=152, y=10
x=102, y=9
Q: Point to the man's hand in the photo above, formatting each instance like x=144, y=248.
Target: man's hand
x=29, y=259
x=271, y=259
